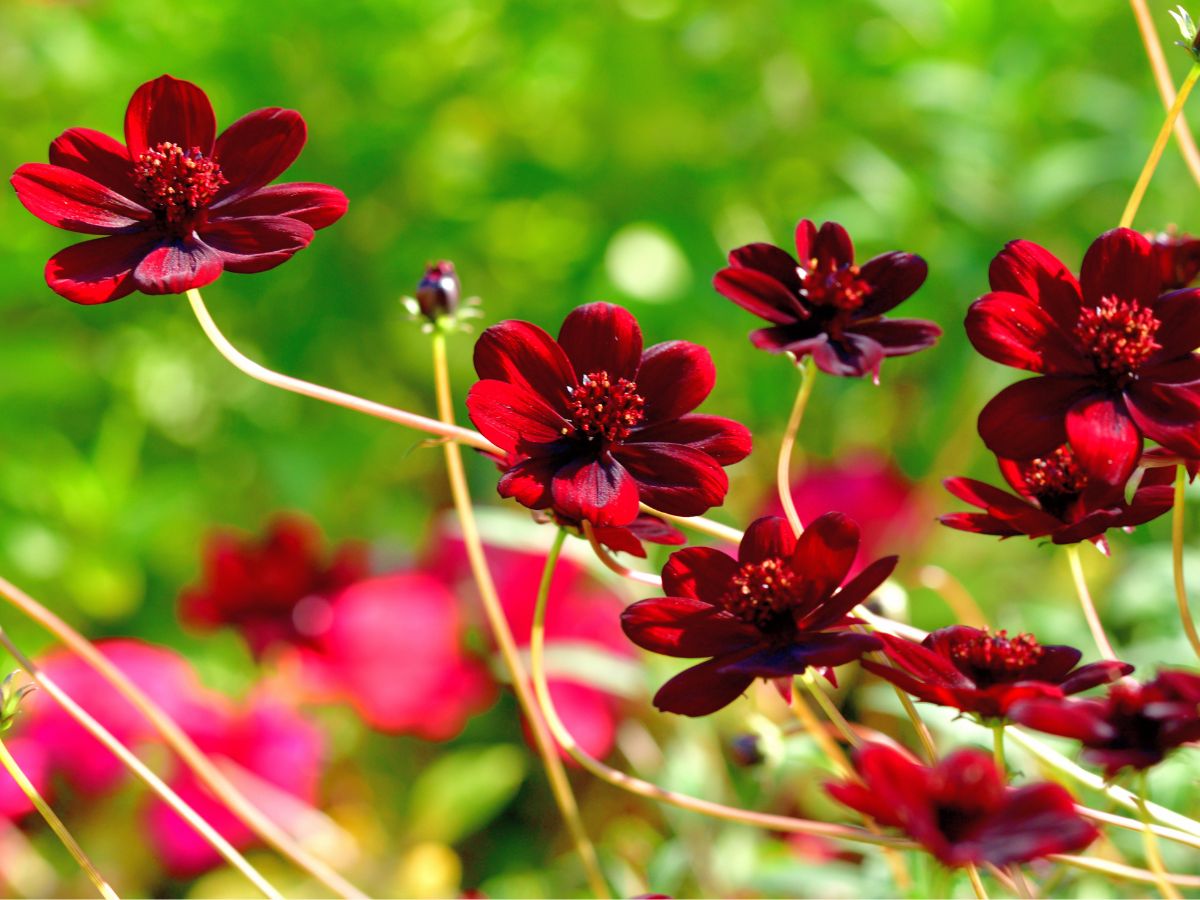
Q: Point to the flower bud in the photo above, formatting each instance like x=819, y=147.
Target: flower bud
x=438, y=292
x=745, y=750
x=11, y=695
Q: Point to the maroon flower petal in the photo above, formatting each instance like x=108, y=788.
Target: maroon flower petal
x=1181, y=370
x=1014, y=330
x=99, y=157
x=599, y=490
x=1106, y=442
x=528, y=482
x=894, y=277
x=978, y=523
x=1025, y=268
x=317, y=205
x=824, y=553
x=510, y=416
x=1120, y=263
x=686, y=627
x=656, y=531
x=769, y=259
x=853, y=355
x=798, y=339
x=1035, y=821
x=74, y=202
x=177, y=267
x=1169, y=414
x=524, y=355
x=1028, y=419
x=601, y=337
x=167, y=109
x=806, y=239
x=1080, y=719
x=255, y=244
x=1093, y=674
x=257, y=149
x=761, y=294
x=700, y=572
x=674, y=377
x=1055, y=662
x=808, y=651
x=701, y=690
x=770, y=537
x=98, y=271
x=900, y=337
x=724, y=440
x=922, y=662
x=1179, y=330
x=864, y=800
x=858, y=589
x=1006, y=508
x=674, y=478
x=831, y=242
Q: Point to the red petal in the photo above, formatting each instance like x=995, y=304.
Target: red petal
x=65, y=199
x=96, y=155
x=894, y=277
x=257, y=149
x=806, y=238
x=770, y=537
x=925, y=663
x=98, y=271
x=1093, y=674
x=686, y=627
x=899, y=337
x=1169, y=414
x=701, y=572
x=1028, y=419
x=857, y=590
x=674, y=377
x=601, y=337
x=1035, y=821
x=176, y=267
x=807, y=651
x=598, y=490
x=1107, y=444
x=1027, y=269
x=1179, y=331
x=1081, y=720
x=831, y=242
x=1120, y=263
x=1014, y=330
x=257, y=243
x=1006, y=508
x=522, y=354
x=759, y=293
x=978, y=523
x=318, y=205
x=701, y=690
x=854, y=355
x=167, y=109
x=769, y=259
x=724, y=440
x=674, y=478
x=510, y=416
x=824, y=554
x=528, y=482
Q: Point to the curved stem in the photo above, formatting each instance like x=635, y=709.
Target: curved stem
x=494, y=611
x=998, y=750
x=1089, y=608
x=337, y=398
x=607, y=558
x=830, y=709
x=644, y=788
x=1181, y=596
x=1121, y=871
x=175, y=738
x=976, y=882
x=698, y=523
x=55, y=823
x=783, y=482
x=1107, y=818
x=827, y=745
x=1150, y=842
x=135, y=765
x=1164, y=134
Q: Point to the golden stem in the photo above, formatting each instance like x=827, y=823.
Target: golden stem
x=1181, y=596
x=1089, y=608
x=1166, y=85
x=700, y=524
x=1150, y=842
x=830, y=709
x=976, y=882
x=808, y=373
x=607, y=558
x=1124, y=872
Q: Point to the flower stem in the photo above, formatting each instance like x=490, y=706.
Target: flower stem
x=55, y=823
x=698, y=523
x=1160, y=143
x=1181, y=596
x=998, y=750
x=138, y=768
x=827, y=745
x=175, y=738
x=976, y=882
x=808, y=373
x=494, y=611
x=1121, y=871
x=652, y=791
x=1150, y=841
x=830, y=709
x=605, y=557
x=1085, y=601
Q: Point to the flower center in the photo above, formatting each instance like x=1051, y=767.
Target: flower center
x=996, y=658
x=1055, y=480
x=762, y=593
x=838, y=287
x=177, y=182
x=1119, y=336
x=605, y=409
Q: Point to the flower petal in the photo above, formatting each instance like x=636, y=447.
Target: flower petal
x=674, y=377
x=824, y=553
x=1120, y=263
x=1179, y=330
x=853, y=355
x=599, y=490
x=808, y=651
x=1081, y=720
x=528, y=482
x=797, y=338
x=510, y=416
x=178, y=266
x=99, y=157
x=856, y=591
x=524, y=355
x=759, y=293
x=1169, y=414
x=701, y=690
x=899, y=337
x=770, y=537
x=894, y=277
x=1028, y=419
x=1035, y=821
x=167, y=109
x=704, y=573
x=74, y=202
x=769, y=259
x=258, y=243
x=317, y=205
x=674, y=478
x=1106, y=442
x=831, y=242
x=686, y=627
x=978, y=523
x=1006, y=508
x=1089, y=676
x=1025, y=268
x=724, y=440
x=1014, y=330
x=257, y=149
x=98, y=271
x=601, y=337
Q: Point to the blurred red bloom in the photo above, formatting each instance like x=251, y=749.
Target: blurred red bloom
x=31, y=757
x=961, y=811
x=275, y=589
x=1056, y=498
x=771, y=613
x=1113, y=354
x=824, y=304
x=1178, y=258
x=592, y=425
x=982, y=673
x=178, y=203
x=1136, y=725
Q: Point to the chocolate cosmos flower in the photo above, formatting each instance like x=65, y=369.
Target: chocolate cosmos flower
x=1178, y=258
x=977, y=672
x=773, y=612
x=826, y=305
x=592, y=425
x=1057, y=499
x=1113, y=353
x=961, y=811
x=178, y=203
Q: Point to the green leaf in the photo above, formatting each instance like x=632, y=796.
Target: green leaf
x=463, y=791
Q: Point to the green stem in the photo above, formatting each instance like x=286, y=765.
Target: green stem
x=808, y=373
x=1181, y=597
x=998, y=750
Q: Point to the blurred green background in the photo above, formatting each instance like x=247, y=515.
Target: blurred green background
x=558, y=152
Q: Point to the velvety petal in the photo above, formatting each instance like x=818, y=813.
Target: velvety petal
x=1054, y=664
x=857, y=590
x=805, y=240
x=809, y=651
x=522, y=354
x=674, y=379
x=701, y=690
x=74, y=202
x=1120, y=263
x=899, y=337
x=674, y=478
x=528, y=482
x=724, y=440
x=924, y=662
x=1014, y=330
x=1169, y=414
x=978, y=523
x=759, y=293
x=98, y=271
x=1028, y=419
x=601, y=337
x=1005, y=507
x=686, y=627
x=1093, y=674
x=510, y=416
x=257, y=149
x=894, y=277
x=1106, y=442
x=1025, y=268
x=258, y=243
x=929, y=691
x=1179, y=330
x=1181, y=370
x=832, y=242
x=853, y=355
x=769, y=259
x=1080, y=719
x=770, y=537
x=704, y=573
x=99, y=157
x=316, y=205
x=175, y=267
x=795, y=338
x=864, y=800
x=167, y=109
x=823, y=555
x=656, y=531
x=598, y=490
x=1035, y=821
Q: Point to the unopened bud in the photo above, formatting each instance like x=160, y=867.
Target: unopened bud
x=438, y=299
x=746, y=750
x=11, y=695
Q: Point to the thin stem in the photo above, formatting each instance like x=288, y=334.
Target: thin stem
x=135, y=765
x=1085, y=601
x=1181, y=596
x=998, y=750
x=1166, y=85
x=976, y=882
x=605, y=557
x=1121, y=871
x=783, y=483
x=827, y=745
x=337, y=398
x=1162, y=831
x=652, y=791
x=1021, y=885
x=494, y=611
x=830, y=709
x=55, y=823
x=1150, y=842
x=698, y=523
x=1160, y=143
x=175, y=738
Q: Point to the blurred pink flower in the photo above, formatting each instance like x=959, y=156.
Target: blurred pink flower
x=33, y=762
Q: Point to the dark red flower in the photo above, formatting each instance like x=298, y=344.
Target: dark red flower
x=773, y=612
x=592, y=425
x=275, y=589
x=178, y=203
x=961, y=811
x=1178, y=258
x=824, y=304
x=1113, y=353
x=977, y=672
x=1136, y=725
x=1055, y=498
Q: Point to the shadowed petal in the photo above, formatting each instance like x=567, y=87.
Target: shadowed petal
x=176, y=267
x=1169, y=414
x=167, y=109
x=98, y=271
x=257, y=148
x=809, y=651
x=686, y=627
x=1035, y=821
x=74, y=202
x=978, y=523
x=1028, y=419
x=674, y=478
x=1080, y=719
x=769, y=259
x=794, y=338
x=522, y=354
x=674, y=377
x=256, y=244
x=701, y=690
x=99, y=157
x=1120, y=263
x=1179, y=330
x=602, y=337
x=899, y=337
x=761, y=294
x=1093, y=674
x=894, y=277
x=700, y=572
x=1025, y=268
x=317, y=205
x=1106, y=442
x=854, y=355
x=528, y=482
x=598, y=490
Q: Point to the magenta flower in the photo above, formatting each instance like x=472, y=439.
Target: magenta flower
x=771, y=613
x=592, y=425
x=177, y=203
x=825, y=305
x=961, y=811
x=1114, y=356
x=985, y=674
